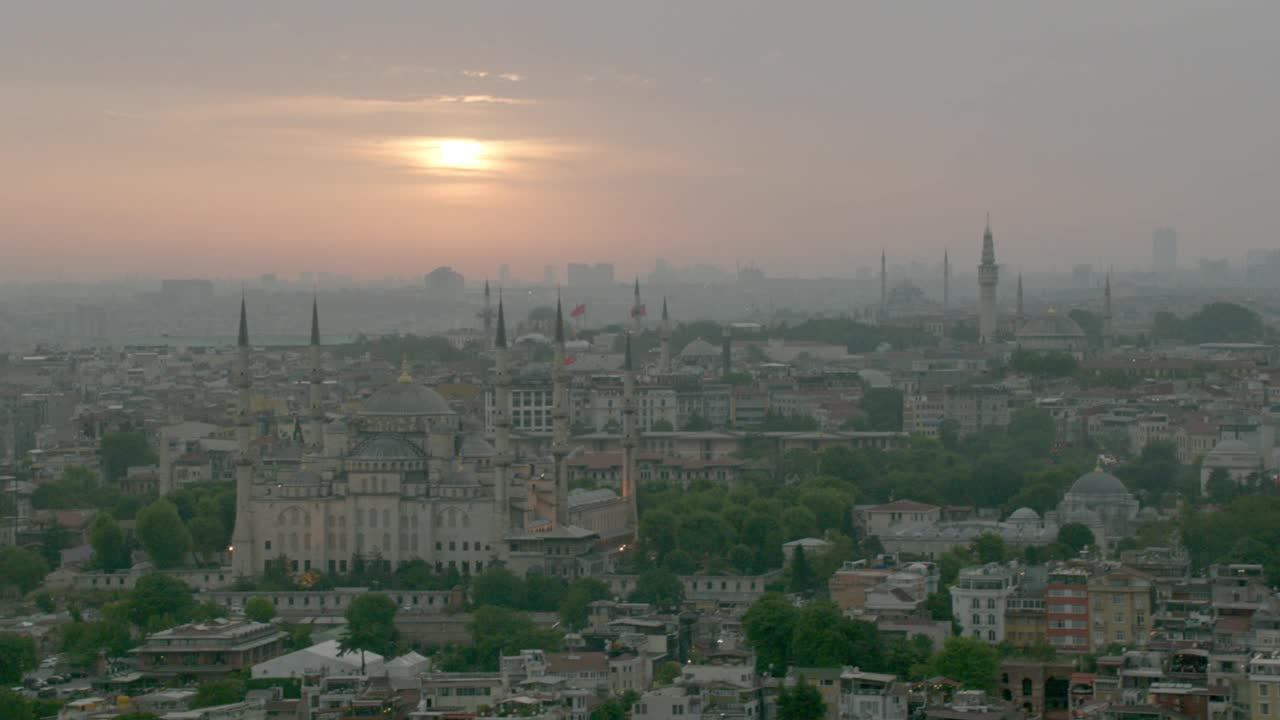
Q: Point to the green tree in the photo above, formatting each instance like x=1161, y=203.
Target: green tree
x=883, y=408
x=371, y=627
x=801, y=576
x=497, y=586
x=82, y=641
x=123, y=450
x=990, y=548
x=497, y=631
x=208, y=536
x=662, y=426
x=109, y=550
x=163, y=534
x=259, y=609
x=968, y=661
x=1219, y=488
x=1223, y=322
x=160, y=601
x=800, y=702
x=615, y=708
x=17, y=656
x=823, y=637
x=697, y=423
x=668, y=673
x=21, y=569
x=219, y=692
x=938, y=605
x=1076, y=536
x=14, y=707
x=574, y=606
x=742, y=558
x=658, y=587
x=658, y=531
x=769, y=625
x=1032, y=430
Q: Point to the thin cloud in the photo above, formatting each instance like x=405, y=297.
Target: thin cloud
x=486, y=74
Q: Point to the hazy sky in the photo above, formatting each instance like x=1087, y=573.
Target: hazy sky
x=219, y=138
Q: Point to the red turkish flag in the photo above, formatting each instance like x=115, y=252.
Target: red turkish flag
x=570, y=360
x=579, y=311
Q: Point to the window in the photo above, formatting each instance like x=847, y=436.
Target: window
x=977, y=603
x=977, y=619
x=991, y=619
x=1263, y=690
x=268, y=544
x=991, y=603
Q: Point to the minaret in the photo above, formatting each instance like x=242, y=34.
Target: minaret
x=243, y=543
x=1106, y=316
x=630, y=438
x=315, y=410
x=988, y=277
x=486, y=315
x=884, y=290
x=726, y=350
x=501, y=434
x=1021, y=317
x=637, y=310
x=664, y=337
x=946, y=293
x=560, y=421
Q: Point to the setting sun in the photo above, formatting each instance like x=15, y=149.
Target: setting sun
x=459, y=155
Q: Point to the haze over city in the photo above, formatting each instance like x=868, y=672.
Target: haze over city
x=151, y=139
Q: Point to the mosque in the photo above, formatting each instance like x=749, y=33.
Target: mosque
x=401, y=479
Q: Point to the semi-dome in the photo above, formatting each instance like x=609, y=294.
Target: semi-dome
x=1051, y=324
x=406, y=398
x=1024, y=514
x=1098, y=482
x=386, y=447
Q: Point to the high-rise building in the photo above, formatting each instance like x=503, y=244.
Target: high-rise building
x=1164, y=251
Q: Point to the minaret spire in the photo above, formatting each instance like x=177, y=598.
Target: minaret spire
x=637, y=310
x=243, y=542
x=502, y=436
x=315, y=411
x=560, y=421
x=1021, y=316
x=884, y=288
x=664, y=338
x=988, y=278
x=1106, y=315
x=630, y=437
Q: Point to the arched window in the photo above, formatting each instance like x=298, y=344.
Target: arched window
x=1026, y=687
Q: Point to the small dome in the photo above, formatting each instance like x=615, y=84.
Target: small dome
x=475, y=446
x=699, y=348
x=1098, y=483
x=386, y=447
x=1024, y=514
x=1051, y=324
x=406, y=398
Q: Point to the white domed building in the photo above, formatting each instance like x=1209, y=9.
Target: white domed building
x=1100, y=501
x=1233, y=455
x=1053, y=332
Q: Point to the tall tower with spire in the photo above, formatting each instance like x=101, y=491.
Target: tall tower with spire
x=630, y=438
x=560, y=421
x=315, y=410
x=637, y=308
x=988, y=278
x=486, y=315
x=1021, y=317
x=883, y=311
x=664, y=337
x=946, y=294
x=243, y=544
x=1106, y=316
x=502, y=434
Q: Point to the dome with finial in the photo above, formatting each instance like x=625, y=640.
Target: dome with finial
x=406, y=398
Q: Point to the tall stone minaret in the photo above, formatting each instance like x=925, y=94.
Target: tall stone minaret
x=244, y=550
x=1021, y=317
x=560, y=421
x=664, y=337
x=988, y=278
x=1106, y=316
x=637, y=310
x=315, y=409
x=486, y=315
x=630, y=438
x=946, y=293
x=501, y=434
x=884, y=290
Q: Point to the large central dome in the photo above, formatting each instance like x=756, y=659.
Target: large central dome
x=1098, y=483
x=1050, y=325
x=406, y=399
